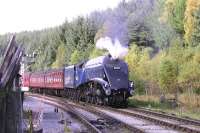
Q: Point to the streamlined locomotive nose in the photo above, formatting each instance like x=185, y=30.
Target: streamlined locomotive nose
x=117, y=74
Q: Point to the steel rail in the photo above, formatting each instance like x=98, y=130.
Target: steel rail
x=158, y=121
x=89, y=108
x=68, y=108
x=164, y=115
x=155, y=120
x=93, y=110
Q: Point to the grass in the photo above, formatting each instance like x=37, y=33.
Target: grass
x=190, y=110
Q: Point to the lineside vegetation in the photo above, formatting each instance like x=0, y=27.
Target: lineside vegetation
x=163, y=38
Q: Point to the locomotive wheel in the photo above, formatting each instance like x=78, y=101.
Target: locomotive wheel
x=87, y=99
x=93, y=100
x=94, y=93
x=110, y=101
x=105, y=101
x=125, y=103
x=90, y=99
x=99, y=100
x=77, y=95
x=91, y=90
x=96, y=102
x=71, y=94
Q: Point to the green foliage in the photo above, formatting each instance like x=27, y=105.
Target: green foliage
x=189, y=70
x=133, y=56
x=60, y=57
x=148, y=104
x=160, y=33
x=79, y=34
x=168, y=73
x=175, y=11
x=197, y=91
x=96, y=52
x=191, y=24
x=139, y=85
x=140, y=35
x=196, y=34
x=78, y=56
x=75, y=57
x=138, y=62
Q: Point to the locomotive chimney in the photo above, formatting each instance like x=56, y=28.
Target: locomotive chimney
x=110, y=57
x=115, y=48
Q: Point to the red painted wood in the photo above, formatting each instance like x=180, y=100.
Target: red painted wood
x=52, y=79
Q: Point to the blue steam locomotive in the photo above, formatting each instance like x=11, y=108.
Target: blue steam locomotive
x=102, y=80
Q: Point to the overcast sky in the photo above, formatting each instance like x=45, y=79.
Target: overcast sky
x=20, y=15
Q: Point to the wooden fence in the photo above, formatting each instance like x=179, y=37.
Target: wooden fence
x=10, y=94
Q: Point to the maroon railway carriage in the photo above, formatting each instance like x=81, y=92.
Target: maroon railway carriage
x=37, y=80
x=26, y=80
x=52, y=79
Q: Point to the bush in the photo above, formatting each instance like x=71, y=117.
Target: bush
x=197, y=91
x=75, y=57
x=96, y=52
x=168, y=73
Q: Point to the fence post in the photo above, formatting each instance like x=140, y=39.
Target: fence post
x=10, y=94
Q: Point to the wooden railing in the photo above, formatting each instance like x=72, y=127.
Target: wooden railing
x=10, y=95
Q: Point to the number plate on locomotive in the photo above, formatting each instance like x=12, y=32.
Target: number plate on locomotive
x=116, y=68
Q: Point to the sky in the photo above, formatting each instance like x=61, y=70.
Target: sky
x=29, y=15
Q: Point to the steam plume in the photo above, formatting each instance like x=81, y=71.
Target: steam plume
x=114, y=48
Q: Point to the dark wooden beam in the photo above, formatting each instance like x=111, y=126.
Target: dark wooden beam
x=10, y=94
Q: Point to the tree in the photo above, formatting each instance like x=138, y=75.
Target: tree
x=133, y=58
x=96, y=52
x=174, y=13
x=168, y=73
x=75, y=57
x=196, y=33
x=140, y=35
x=191, y=21
x=189, y=75
x=60, y=57
x=160, y=30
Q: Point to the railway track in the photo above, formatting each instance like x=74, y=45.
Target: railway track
x=95, y=121
x=70, y=109
x=187, y=121
x=179, y=124
x=107, y=116
x=166, y=120
x=172, y=122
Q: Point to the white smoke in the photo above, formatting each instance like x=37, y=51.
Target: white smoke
x=115, y=49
